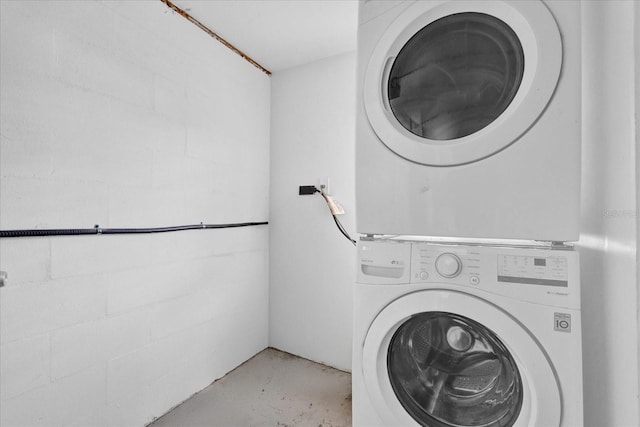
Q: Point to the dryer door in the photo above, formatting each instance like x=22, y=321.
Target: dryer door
x=441, y=358
x=454, y=82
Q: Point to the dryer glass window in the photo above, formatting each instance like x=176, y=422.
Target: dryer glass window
x=448, y=370
x=456, y=76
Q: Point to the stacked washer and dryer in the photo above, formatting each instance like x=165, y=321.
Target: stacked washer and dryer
x=467, y=301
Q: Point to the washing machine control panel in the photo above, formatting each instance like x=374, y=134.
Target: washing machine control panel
x=432, y=263
x=539, y=275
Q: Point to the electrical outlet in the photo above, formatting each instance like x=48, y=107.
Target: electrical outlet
x=323, y=185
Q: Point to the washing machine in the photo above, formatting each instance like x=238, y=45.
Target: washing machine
x=450, y=334
x=468, y=119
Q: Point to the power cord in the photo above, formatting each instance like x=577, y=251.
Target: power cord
x=333, y=208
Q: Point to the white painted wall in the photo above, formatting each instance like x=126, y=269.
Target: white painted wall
x=124, y=114
x=312, y=265
x=608, y=244
x=637, y=129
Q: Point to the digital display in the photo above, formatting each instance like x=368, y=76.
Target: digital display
x=531, y=270
x=540, y=262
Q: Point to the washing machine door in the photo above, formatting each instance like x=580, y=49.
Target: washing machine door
x=442, y=358
x=453, y=82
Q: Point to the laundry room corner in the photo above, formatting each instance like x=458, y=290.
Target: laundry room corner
x=355, y=213
x=311, y=264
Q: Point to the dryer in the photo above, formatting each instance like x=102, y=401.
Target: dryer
x=450, y=334
x=468, y=119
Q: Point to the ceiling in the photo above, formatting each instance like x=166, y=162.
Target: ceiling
x=280, y=34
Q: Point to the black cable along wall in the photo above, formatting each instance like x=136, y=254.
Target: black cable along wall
x=97, y=230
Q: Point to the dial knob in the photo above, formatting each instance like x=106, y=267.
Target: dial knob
x=448, y=265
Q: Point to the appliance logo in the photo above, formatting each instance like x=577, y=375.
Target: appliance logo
x=562, y=294
x=562, y=322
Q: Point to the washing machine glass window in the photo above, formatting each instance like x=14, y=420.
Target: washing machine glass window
x=448, y=370
x=456, y=76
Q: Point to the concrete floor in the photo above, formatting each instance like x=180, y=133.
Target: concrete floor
x=271, y=389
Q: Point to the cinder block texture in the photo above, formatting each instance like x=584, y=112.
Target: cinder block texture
x=124, y=114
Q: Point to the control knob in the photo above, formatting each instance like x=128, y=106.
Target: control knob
x=448, y=265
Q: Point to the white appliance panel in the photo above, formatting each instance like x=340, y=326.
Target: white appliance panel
x=537, y=325
x=516, y=178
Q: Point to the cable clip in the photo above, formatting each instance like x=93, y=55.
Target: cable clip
x=98, y=229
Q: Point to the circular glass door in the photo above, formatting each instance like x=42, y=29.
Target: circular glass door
x=448, y=370
x=455, y=76
x=451, y=83
x=425, y=361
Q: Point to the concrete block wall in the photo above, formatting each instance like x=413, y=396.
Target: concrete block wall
x=124, y=114
x=312, y=264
